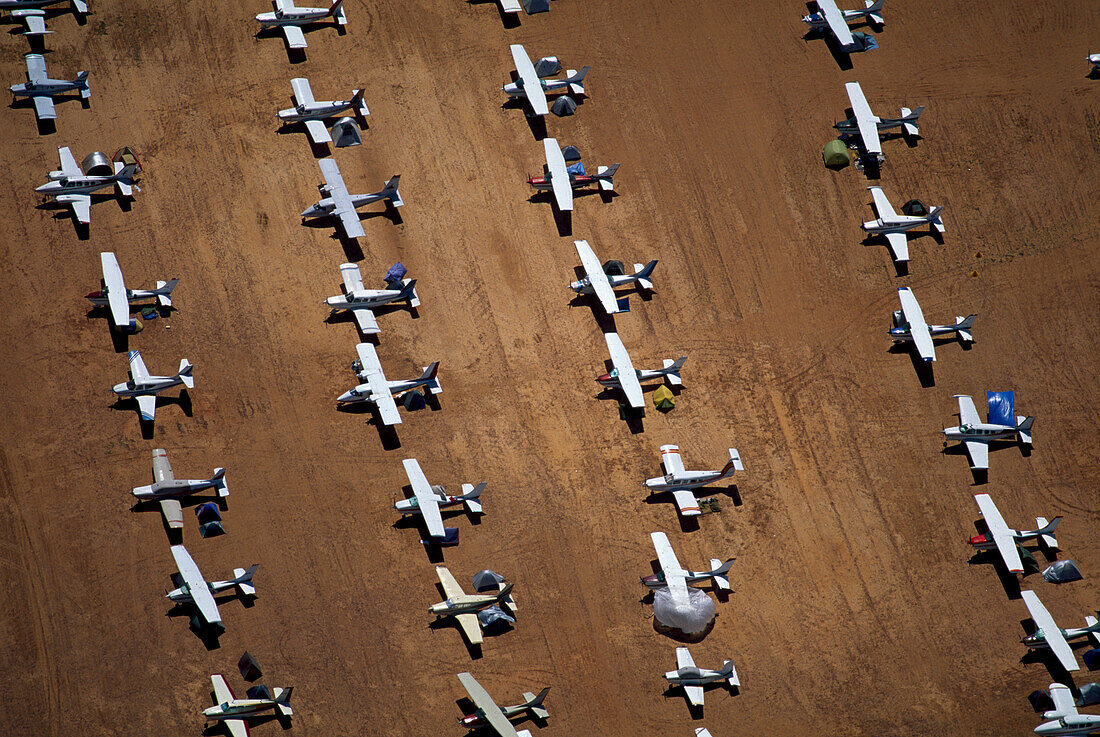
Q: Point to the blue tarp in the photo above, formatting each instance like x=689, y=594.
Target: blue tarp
x=865, y=41
x=1002, y=408
x=208, y=512
x=450, y=537
x=396, y=273
x=577, y=168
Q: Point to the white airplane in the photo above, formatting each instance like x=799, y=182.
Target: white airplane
x=312, y=112
x=168, y=490
x=144, y=387
x=234, y=713
x=336, y=201
x=910, y=327
x=603, y=286
x=1094, y=60
x=359, y=300
x=194, y=589
x=676, y=577
x=427, y=499
x=491, y=715
x=118, y=298
x=31, y=13
x=894, y=226
x=380, y=392
x=73, y=186
x=1051, y=636
x=290, y=19
x=976, y=435
x=41, y=89
x=533, y=84
x=628, y=379
x=1003, y=538
x=693, y=678
x=867, y=125
x=681, y=482
x=464, y=607
x=556, y=177
x=836, y=20
x=1065, y=719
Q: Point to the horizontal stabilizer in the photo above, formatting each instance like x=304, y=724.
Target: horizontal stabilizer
x=720, y=579
x=124, y=189
x=1046, y=531
x=735, y=460
x=80, y=6
x=220, y=483
x=1094, y=636
x=963, y=325
x=672, y=370
x=523, y=733
x=606, y=174
x=185, y=374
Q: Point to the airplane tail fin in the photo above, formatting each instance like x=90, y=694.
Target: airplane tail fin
x=534, y=703
x=672, y=370
x=282, y=701
x=505, y=595
x=164, y=292
x=909, y=121
x=242, y=580
x=337, y=12
x=186, y=374
x=471, y=495
x=605, y=176
x=391, y=193
x=733, y=464
x=408, y=292
x=642, y=274
x=934, y=219
x=873, y=7
x=1024, y=429
x=220, y=483
x=429, y=377
x=718, y=573
x=357, y=103
x=575, y=79
x=1064, y=705
x=81, y=7
x=730, y=673
x=1045, y=531
x=963, y=326
x=82, y=84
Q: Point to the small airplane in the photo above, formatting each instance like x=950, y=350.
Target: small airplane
x=676, y=577
x=1003, y=538
x=427, y=499
x=33, y=16
x=359, y=301
x=290, y=19
x=380, y=392
x=533, y=85
x=1065, y=719
x=464, y=607
x=976, y=435
x=693, y=678
x=1051, y=636
x=74, y=186
x=558, y=178
x=118, y=298
x=336, y=201
x=194, y=589
x=681, y=482
x=867, y=125
x=167, y=489
x=599, y=283
x=312, y=112
x=234, y=713
x=144, y=387
x=41, y=89
x=894, y=226
x=836, y=20
x=488, y=714
x=1094, y=60
x=910, y=327
x=628, y=379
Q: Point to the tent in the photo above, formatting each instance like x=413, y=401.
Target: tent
x=414, y=401
x=487, y=580
x=835, y=153
x=664, y=399
x=395, y=274
x=345, y=132
x=208, y=512
x=1091, y=658
x=1040, y=701
x=564, y=105
x=1062, y=571
x=1090, y=694
x=864, y=41
x=248, y=667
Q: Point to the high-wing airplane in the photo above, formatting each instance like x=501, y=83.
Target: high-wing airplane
x=32, y=15
x=677, y=578
x=336, y=201
x=118, y=298
x=427, y=499
x=1064, y=717
x=41, y=89
x=74, y=186
x=533, y=84
x=557, y=177
x=628, y=379
x=491, y=715
x=693, y=678
x=290, y=19
x=532, y=704
x=359, y=300
x=976, y=435
x=234, y=713
x=836, y=21
x=867, y=125
x=894, y=226
x=377, y=390
x=464, y=607
x=168, y=490
x=1051, y=636
x=910, y=327
x=144, y=387
x=313, y=112
x=599, y=283
x=194, y=589
x=681, y=482
x=1003, y=538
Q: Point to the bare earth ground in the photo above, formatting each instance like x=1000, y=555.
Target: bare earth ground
x=854, y=609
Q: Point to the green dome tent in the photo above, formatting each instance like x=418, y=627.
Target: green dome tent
x=835, y=153
x=663, y=399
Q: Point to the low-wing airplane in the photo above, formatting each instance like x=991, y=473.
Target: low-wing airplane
x=73, y=185
x=427, y=499
x=359, y=301
x=1051, y=636
x=533, y=84
x=491, y=715
x=194, y=589
x=464, y=607
x=168, y=490
x=867, y=125
x=628, y=379
x=290, y=19
x=676, y=577
x=693, y=678
x=910, y=327
x=377, y=390
x=144, y=387
x=1004, y=539
x=41, y=89
x=336, y=201
x=681, y=482
x=313, y=112
x=977, y=435
x=118, y=298
x=32, y=15
x=836, y=21
x=1064, y=717
x=234, y=713
x=597, y=282
x=894, y=226
x=557, y=177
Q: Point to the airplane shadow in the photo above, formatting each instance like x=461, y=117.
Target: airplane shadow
x=924, y=370
x=1009, y=581
x=842, y=58
x=297, y=56
x=508, y=20
x=319, y=150
x=387, y=434
x=632, y=417
x=696, y=712
x=209, y=636
x=537, y=123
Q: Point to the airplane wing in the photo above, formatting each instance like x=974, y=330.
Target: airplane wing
x=882, y=203
x=222, y=692
x=138, y=371
x=978, y=452
x=694, y=694
x=237, y=727
x=1051, y=631
x=196, y=585
x=559, y=177
x=683, y=658
x=899, y=246
x=451, y=587
x=367, y=322
x=379, y=387
x=674, y=573
x=162, y=469
x=596, y=277
x=173, y=513
x=529, y=79
x=36, y=67
x=344, y=209
x=295, y=39
x=36, y=25
x=284, y=5
x=483, y=701
x=353, y=279
x=628, y=377
x=670, y=459
x=116, y=290
x=69, y=166
x=968, y=413
x=425, y=497
x=865, y=119
x=836, y=22
x=303, y=95
x=81, y=205
x=317, y=131
x=1001, y=533
x=918, y=328
x=147, y=406
x=686, y=502
x=43, y=107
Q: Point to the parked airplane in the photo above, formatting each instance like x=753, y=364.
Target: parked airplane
x=1051, y=636
x=1003, y=538
x=894, y=226
x=1094, y=60
x=681, y=482
x=194, y=589
x=693, y=678
x=533, y=85
x=557, y=177
x=380, y=392
x=676, y=577
x=359, y=300
x=427, y=499
x=597, y=282
x=336, y=201
x=532, y=704
x=910, y=327
x=234, y=713
x=73, y=185
x=144, y=387
x=628, y=379
x=31, y=13
x=867, y=125
x=312, y=112
x=836, y=20
x=41, y=89
x=1065, y=719
x=167, y=489
x=977, y=435
x=490, y=715
x=464, y=607
x=290, y=19
x=118, y=298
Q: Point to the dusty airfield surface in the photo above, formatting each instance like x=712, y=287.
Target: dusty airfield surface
x=854, y=610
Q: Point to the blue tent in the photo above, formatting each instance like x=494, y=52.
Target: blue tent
x=577, y=168
x=396, y=273
x=1002, y=408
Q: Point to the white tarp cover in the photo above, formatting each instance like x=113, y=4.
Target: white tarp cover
x=691, y=619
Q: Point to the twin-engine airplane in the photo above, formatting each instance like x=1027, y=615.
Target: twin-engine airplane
x=977, y=435
x=597, y=282
x=910, y=327
x=427, y=500
x=867, y=125
x=73, y=185
x=168, y=490
x=628, y=379
x=677, y=578
x=557, y=177
x=336, y=201
x=313, y=112
x=465, y=607
x=118, y=298
x=1065, y=719
x=693, y=678
x=234, y=713
x=33, y=16
x=359, y=300
x=289, y=18
x=377, y=390
x=1004, y=539
x=144, y=387
x=894, y=226
x=41, y=89
x=831, y=17
x=1051, y=636
x=194, y=589
x=533, y=85
x=488, y=714
x=681, y=483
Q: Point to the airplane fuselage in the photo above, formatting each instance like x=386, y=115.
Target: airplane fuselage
x=316, y=110
x=61, y=184
x=584, y=286
x=325, y=206
x=292, y=17
x=612, y=379
x=693, y=676
x=657, y=580
x=478, y=720
x=817, y=20
x=22, y=4
x=152, y=385
x=685, y=480
x=363, y=298
x=576, y=181
x=549, y=86
x=47, y=87
x=900, y=224
x=173, y=487
x=412, y=504
x=980, y=431
x=238, y=709
x=1076, y=724
x=903, y=333
x=362, y=392
x=469, y=603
